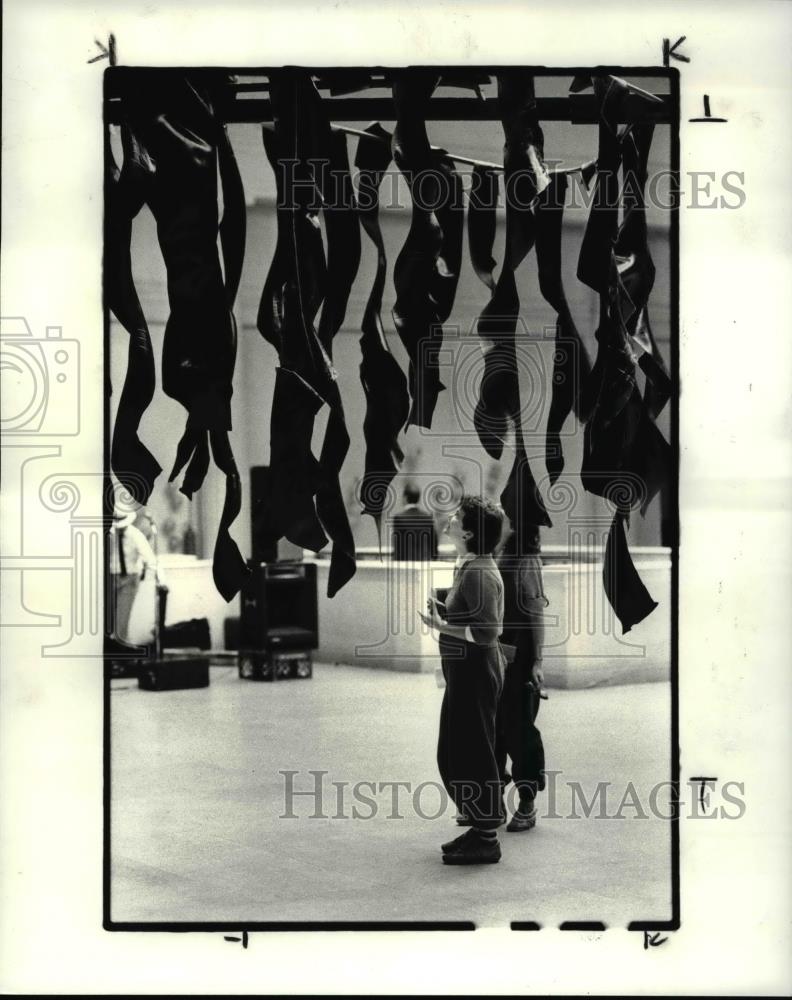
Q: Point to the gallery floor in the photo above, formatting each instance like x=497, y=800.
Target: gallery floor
x=196, y=797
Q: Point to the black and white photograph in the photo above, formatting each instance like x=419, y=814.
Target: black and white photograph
x=423, y=358
x=392, y=464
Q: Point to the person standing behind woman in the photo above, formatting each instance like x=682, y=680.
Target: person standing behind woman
x=469, y=625
x=131, y=556
x=518, y=738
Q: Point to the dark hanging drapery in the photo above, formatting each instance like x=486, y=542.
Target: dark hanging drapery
x=173, y=119
x=174, y=144
x=571, y=364
x=416, y=312
x=132, y=463
x=384, y=383
x=312, y=173
x=499, y=406
x=626, y=459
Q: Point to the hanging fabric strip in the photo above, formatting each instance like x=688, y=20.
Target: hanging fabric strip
x=343, y=259
x=499, y=394
x=657, y=390
x=229, y=569
x=295, y=470
x=451, y=216
x=228, y=566
x=571, y=364
x=175, y=120
x=481, y=221
x=319, y=166
x=270, y=313
x=415, y=312
x=500, y=405
x=303, y=361
x=634, y=266
x=624, y=453
x=343, y=237
x=612, y=380
x=594, y=258
x=521, y=498
x=623, y=587
x=650, y=459
x=384, y=383
x=132, y=463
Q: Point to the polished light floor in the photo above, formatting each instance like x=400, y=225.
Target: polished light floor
x=198, y=800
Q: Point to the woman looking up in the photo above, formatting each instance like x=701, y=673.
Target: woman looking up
x=469, y=625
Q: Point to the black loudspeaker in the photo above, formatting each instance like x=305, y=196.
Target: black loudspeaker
x=174, y=674
x=280, y=608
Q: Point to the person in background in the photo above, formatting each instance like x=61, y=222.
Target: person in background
x=469, y=625
x=520, y=565
x=131, y=557
x=413, y=530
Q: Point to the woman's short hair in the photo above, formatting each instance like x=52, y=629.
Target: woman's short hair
x=485, y=520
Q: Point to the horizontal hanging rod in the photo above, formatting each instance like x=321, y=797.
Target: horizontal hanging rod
x=583, y=168
x=435, y=149
x=579, y=109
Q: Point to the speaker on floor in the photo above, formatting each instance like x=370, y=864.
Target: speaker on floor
x=280, y=607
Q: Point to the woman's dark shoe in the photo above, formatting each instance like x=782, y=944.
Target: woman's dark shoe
x=523, y=819
x=456, y=843
x=474, y=850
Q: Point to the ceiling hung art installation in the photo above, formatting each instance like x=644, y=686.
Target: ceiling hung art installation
x=177, y=159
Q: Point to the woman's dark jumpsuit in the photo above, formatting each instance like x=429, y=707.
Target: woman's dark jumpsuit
x=474, y=680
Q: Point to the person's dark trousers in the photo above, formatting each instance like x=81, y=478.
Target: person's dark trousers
x=517, y=734
x=466, y=743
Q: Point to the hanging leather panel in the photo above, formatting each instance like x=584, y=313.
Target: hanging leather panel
x=415, y=312
x=499, y=405
x=131, y=461
x=571, y=364
x=342, y=226
x=451, y=216
x=625, y=456
x=304, y=135
x=481, y=222
x=623, y=586
x=174, y=118
x=384, y=383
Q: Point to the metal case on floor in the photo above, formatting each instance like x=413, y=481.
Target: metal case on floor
x=174, y=674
